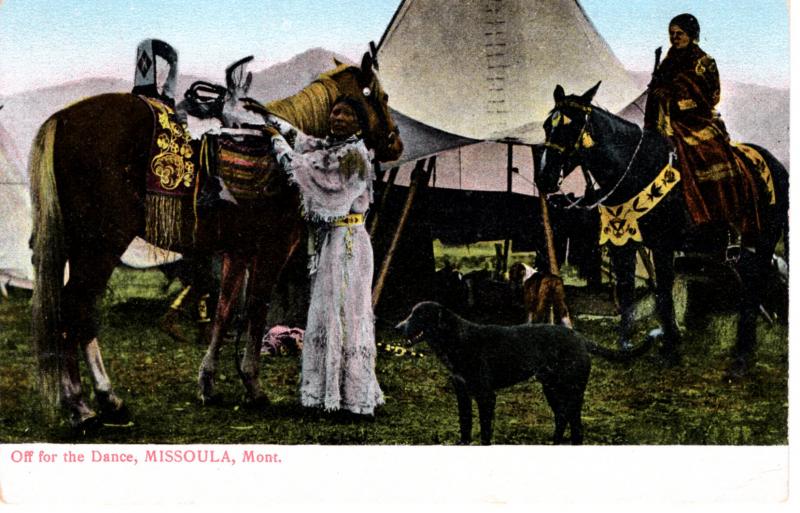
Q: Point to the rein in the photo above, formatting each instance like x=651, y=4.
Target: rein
x=588, y=110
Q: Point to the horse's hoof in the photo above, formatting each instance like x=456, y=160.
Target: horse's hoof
x=737, y=371
x=669, y=358
x=206, y=383
x=120, y=415
x=261, y=402
x=85, y=422
x=209, y=400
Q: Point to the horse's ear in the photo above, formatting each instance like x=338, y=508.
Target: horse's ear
x=558, y=94
x=588, y=96
x=337, y=62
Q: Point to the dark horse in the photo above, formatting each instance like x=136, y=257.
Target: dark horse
x=88, y=168
x=627, y=162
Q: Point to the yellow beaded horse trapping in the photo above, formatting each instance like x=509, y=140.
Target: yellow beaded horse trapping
x=619, y=224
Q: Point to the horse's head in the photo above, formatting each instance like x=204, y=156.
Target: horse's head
x=361, y=83
x=234, y=113
x=227, y=103
x=566, y=137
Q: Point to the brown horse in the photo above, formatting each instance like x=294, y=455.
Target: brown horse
x=88, y=169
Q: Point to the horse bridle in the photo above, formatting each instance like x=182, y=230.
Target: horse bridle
x=369, y=92
x=579, y=143
x=563, y=150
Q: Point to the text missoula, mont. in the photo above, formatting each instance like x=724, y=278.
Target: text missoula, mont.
x=207, y=456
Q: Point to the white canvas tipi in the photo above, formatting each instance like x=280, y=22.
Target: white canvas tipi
x=484, y=68
x=15, y=218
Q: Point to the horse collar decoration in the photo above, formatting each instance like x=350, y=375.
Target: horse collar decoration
x=640, y=187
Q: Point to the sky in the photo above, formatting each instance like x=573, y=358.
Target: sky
x=46, y=42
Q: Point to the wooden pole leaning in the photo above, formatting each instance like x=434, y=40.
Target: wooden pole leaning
x=419, y=177
x=551, y=294
x=509, y=188
x=373, y=229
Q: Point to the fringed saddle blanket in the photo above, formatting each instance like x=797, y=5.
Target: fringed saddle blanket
x=170, y=178
x=246, y=165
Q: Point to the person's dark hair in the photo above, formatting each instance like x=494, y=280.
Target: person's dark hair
x=358, y=108
x=688, y=24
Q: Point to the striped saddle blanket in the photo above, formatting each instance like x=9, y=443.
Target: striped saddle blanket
x=246, y=165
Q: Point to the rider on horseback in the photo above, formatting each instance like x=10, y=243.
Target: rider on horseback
x=681, y=102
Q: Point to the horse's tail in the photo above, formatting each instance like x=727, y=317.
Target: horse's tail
x=49, y=258
x=780, y=183
x=623, y=356
x=783, y=207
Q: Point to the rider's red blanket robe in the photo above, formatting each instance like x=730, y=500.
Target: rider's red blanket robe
x=681, y=101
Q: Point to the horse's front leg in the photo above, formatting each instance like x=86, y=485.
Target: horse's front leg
x=233, y=270
x=259, y=286
x=623, y=260
x=267, y=267
x=753, y=268
x=663, y=260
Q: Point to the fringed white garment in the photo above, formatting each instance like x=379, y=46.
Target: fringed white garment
x=338, y=364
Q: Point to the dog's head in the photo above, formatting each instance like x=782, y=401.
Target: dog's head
x=516, y=273
x=423, y=322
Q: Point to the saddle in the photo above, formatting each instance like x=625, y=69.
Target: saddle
x=242, y=165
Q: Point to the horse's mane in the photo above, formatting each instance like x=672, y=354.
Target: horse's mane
x=308, y=110
x=576, y=100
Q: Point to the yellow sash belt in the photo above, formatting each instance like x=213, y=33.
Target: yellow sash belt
x=348, y=220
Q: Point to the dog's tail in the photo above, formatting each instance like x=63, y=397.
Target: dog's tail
x=622, y=356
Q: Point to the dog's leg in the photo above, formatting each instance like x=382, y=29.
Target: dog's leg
x=464, y=411
x=576, y=428
x=541, y=308
x=573, y=411
x=486, y=401
x=559, y=301
x=556, y=404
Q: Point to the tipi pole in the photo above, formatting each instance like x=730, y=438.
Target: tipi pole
x=418, y=177
x=548, y=237
x=509, y=179
x=373, y=229
x=554, y=290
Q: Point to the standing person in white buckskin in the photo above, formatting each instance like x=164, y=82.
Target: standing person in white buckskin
x=335, y=177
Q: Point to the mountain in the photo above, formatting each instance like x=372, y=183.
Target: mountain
x=287, y=78
x=24, y=113
x=752, y=113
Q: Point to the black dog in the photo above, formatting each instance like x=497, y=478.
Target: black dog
x=485, y=358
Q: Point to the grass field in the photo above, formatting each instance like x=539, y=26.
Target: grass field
x=641, y=403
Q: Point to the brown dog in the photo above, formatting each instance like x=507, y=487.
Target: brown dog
x=539, y=292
